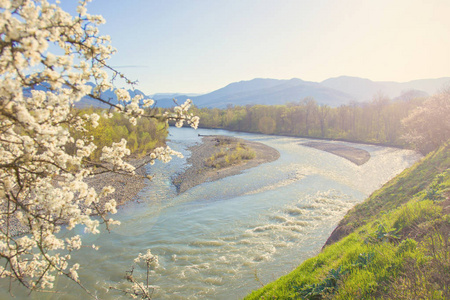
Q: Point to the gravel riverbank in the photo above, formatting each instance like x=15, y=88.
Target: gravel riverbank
x=199, y=172
x=127, y=187
x=355, y=155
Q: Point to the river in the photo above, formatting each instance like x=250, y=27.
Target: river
x=222, y=239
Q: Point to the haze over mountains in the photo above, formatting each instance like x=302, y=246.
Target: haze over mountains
x=364, y=89
x=270, y=91
x=333, y=92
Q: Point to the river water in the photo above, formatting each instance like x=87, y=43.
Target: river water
x=223, y=239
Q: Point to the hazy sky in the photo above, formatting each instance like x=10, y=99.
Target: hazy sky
x=200, y=46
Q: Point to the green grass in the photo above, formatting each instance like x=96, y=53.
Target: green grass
x=399, y=190
x=229, y=155
x=398, y=247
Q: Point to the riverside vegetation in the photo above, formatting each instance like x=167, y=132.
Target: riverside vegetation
x=49, y=60
x=142, y=138
x=48, y=150
x=229, y=153
x=220, y=156
x=394, y=245
x=376, y=122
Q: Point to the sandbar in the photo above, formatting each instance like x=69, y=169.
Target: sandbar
x=355, y=155
x=198, y=172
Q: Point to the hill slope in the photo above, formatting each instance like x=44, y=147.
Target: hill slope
x=108, y=95
x=364, y=89
x=271, y=92
x=396, y=245
x=333, y=92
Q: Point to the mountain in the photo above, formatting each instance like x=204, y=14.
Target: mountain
x=271, y=92
x=108, y=95
x=85, y=101
x=364, y=89
x=333, y=91
x=165, y=96
x=165, y=100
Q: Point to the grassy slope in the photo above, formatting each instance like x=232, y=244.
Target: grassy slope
x=394, y=245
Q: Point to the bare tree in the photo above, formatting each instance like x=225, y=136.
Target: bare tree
x=428, y=126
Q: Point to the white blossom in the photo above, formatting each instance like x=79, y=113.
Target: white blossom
x=122, y=95
x=148, y=103
x=73, y=272
x=42, y=186
x=148, y=258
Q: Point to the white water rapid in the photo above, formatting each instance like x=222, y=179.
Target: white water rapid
x=213, y=239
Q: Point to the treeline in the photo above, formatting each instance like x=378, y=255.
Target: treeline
x=395, y=244
x=376, y=122
x=147, y=134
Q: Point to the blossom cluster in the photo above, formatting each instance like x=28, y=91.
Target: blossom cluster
x=42, y=186
x=180, y=115
x=150, y=259
x=139, y=289
x=164, y=154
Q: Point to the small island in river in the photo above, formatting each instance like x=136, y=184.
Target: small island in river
x=221, y=156
x=214, y=158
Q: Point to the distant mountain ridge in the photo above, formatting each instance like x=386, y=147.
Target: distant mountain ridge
x=333, y=91
x=108, y=95
x=268, y=92
x=364, y=89
x=164, y=100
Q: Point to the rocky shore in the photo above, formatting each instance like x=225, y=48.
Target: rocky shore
x=199, y=172
x=127, y=187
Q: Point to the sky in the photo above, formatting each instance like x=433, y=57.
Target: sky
x=199, y=46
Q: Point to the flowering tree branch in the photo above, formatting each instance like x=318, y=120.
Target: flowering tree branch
x=42, y=185
x=141, y=290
